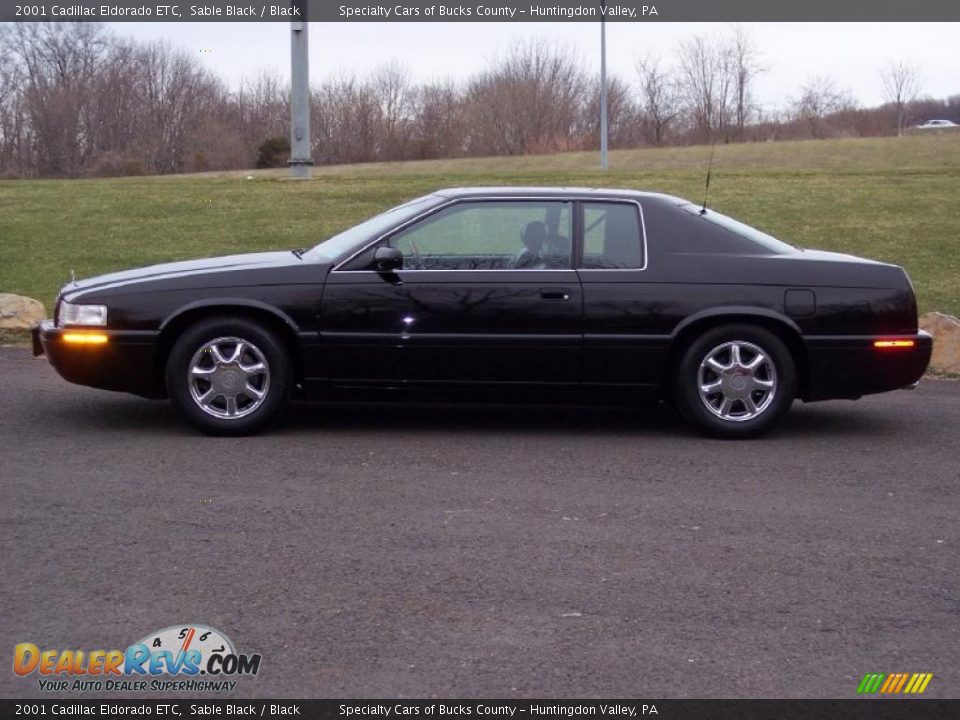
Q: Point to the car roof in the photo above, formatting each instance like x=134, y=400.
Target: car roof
x=559, y=192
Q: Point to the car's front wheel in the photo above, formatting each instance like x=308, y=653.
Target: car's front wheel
x=228, y=375
x=735, y=381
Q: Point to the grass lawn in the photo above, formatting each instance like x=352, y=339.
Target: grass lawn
x=896, y=200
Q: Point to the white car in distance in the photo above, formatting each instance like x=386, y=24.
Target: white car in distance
x=937, y=125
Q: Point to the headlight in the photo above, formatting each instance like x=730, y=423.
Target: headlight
x=71, y=314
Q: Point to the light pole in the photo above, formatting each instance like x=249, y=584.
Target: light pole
x=300, y=160
x=604, y=163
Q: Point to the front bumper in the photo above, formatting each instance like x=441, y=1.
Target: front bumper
x=850, y=366
x=127, y=362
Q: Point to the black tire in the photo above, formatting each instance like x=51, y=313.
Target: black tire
x=753, y=408
x=259, y=347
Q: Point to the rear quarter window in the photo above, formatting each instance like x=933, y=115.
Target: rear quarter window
x=681, y=229
x=612, y=236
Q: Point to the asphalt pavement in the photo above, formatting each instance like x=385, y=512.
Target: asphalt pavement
x=489, y=551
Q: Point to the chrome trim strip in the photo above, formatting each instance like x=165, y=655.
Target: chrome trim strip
x=508, y=198
x=476, y=270
x=452, y=337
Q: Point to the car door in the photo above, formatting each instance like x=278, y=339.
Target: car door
x=623, y=344
x=487, y=294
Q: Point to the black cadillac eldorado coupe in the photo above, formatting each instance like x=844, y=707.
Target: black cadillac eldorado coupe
x=502, y=290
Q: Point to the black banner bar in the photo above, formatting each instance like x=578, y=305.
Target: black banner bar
x=860, y=709
x=479, y=11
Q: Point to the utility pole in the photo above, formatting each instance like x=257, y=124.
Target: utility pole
x=604, y=163
x=300, y=160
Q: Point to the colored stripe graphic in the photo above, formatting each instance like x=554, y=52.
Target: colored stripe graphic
x=871, y=682
x=894, y=683
x=918, y=683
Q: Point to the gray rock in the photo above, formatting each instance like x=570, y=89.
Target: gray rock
x=20, y=313
x=946, y=341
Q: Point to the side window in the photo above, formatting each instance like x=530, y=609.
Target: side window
x=490, y=235
x=612, y=237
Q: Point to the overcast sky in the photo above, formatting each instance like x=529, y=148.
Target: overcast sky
x=851, y=53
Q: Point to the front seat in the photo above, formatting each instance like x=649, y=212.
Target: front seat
x=557, y=252
x=533, y=236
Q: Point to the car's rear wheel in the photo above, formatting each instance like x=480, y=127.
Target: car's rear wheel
x=735, y=381
x=228, y=375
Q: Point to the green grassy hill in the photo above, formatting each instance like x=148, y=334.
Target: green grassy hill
x=896, y=200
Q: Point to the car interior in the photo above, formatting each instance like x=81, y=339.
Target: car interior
x=520, y=236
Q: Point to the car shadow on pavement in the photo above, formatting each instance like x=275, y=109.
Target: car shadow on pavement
x=119, y=414
x=647, y=419
x=651, y=418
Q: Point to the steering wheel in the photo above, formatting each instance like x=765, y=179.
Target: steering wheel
x=416, y=256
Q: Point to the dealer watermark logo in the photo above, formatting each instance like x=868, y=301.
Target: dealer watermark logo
x=894, y=683
x=177, y=658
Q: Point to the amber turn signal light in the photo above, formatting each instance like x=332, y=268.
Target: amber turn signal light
x=893, y=343
x=85, y=338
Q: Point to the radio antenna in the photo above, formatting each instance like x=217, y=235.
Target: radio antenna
x=706, y=189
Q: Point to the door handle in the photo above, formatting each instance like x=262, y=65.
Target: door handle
x=548, y=294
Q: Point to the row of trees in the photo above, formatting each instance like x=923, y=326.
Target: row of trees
x=76, y=100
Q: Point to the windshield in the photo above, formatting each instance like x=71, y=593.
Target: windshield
x=353, y=238
x=738, y=228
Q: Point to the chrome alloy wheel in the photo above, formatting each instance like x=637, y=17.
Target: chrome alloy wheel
x=229, y=378
x=737, y=381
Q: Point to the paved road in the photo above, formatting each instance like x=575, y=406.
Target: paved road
x=425, y=550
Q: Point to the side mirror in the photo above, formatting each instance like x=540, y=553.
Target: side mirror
x=387, y=259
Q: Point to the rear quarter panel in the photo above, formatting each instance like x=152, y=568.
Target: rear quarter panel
x=633, y=317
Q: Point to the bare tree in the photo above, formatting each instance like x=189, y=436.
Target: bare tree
x=528, y=101
x=394, y=89
x=715, y=76
x=623, y=118
x=9, y=71
x=59, y=62
x=901, y=86
x=10, y=111
x=706, y=83
x=176, y=92
x=439, y=121
x=745, y=67
x=659, y=98
x=819, y=98
x=263, y=110
x=347, y=118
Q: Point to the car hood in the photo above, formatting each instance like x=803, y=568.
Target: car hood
x=186, y=270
